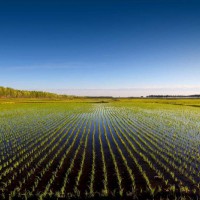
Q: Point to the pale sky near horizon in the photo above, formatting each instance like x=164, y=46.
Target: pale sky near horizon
x=110, y=48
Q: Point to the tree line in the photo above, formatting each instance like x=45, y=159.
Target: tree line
x=174, y=96
x=6, y=92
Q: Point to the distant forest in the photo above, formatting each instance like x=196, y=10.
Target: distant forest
x=6, y=92
x=174, y=96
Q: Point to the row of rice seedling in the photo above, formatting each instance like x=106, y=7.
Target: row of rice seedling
x=152, y=136
x=166, y=150
x=23, y=148
x=116, y=169
x=39, y=153
x=57, y=149
x=125, y=163
x=124, y=140
x=43, y=144
x=69, y=170
x=24, y=132
x=78, y=177
x=167, y=159
x=92, y=176
x=105, y=190
x=74, y=135
x=51, y=155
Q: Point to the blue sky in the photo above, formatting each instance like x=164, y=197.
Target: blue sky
x=101, y=47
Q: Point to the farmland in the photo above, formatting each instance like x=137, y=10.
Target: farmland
x=128, y=148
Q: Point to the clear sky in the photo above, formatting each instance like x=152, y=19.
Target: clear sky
x=101, y=47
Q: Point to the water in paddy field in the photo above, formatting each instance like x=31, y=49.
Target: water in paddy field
x=99, y=150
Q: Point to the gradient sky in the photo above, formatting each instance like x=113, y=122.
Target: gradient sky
x=116, y=47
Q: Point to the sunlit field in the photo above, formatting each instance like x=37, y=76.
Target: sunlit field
x=138, y=148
